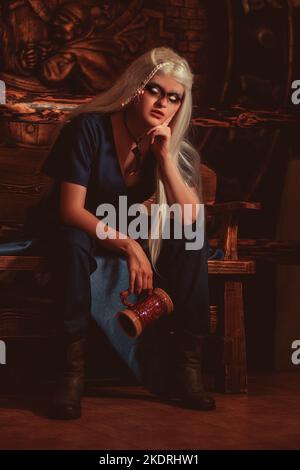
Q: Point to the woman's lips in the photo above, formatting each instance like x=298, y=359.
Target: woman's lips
x=157, y=113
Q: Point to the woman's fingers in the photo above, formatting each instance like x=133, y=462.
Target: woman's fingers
x=169, y=119
x=151, y=130
x=139, y=283
x=132, y=282
x=150, y=283
x=145, y=281
x=140, y=271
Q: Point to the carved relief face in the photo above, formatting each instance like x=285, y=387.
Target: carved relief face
x=68, y=23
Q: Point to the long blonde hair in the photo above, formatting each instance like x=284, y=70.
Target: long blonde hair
x=184, y=155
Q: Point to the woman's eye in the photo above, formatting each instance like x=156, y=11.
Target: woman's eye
x=174, y=98
x=154, y=90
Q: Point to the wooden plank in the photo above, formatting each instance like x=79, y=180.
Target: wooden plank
x=20, y=263
x=280, y=251
x=240, y=117
x=264, y=249
x=225, y=207
x=231, y=267
x=31, y=187
x=26, y=134
x=19, y=322
x=12, y=153
x=28, y=263
x=20, y=172
x=10, y=231
x=14, y=206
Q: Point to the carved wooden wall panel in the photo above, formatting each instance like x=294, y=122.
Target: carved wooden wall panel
x=60, y=53
x=80, y=47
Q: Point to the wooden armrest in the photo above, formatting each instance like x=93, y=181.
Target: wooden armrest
x=232, y=206
x=228, y=239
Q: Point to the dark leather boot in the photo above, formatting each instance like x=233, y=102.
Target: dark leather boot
x=191, y=388
x=65, y=403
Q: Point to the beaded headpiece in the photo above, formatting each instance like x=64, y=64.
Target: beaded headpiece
x=144, y=82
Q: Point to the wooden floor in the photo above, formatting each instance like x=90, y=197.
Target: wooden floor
x=128, y=417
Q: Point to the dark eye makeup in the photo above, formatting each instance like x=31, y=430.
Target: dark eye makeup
x=155, y=88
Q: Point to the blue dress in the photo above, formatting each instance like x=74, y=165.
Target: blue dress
x=85, y=154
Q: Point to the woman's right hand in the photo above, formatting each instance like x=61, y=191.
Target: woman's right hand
x=140, y=269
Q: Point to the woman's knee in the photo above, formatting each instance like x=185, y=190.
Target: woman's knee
x=72, y=245
x=74, y=236
x=189, y=238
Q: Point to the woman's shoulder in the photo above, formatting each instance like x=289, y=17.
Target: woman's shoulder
x=88, y=118
x=88, y=126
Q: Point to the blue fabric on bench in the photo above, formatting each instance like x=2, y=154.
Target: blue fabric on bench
x=217, y=254
x=110, y=278
x=15, y=247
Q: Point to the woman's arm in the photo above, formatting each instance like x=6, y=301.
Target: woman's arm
x=72, y=212
x=176, y=189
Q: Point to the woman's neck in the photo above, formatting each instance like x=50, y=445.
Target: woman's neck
x=133, y=125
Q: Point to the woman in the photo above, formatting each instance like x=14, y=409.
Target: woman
x=128, y=141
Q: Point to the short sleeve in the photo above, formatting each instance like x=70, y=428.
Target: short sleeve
x=70, y=158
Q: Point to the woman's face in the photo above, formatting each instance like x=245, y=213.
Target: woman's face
x=160, y=101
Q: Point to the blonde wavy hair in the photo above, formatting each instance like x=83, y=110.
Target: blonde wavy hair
x=161, y=60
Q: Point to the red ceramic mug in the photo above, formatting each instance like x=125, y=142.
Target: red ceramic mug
x=143, y=313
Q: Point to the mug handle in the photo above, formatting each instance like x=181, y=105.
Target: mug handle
x=123, y=295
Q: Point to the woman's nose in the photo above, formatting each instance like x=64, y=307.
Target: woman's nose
x=161, y=100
